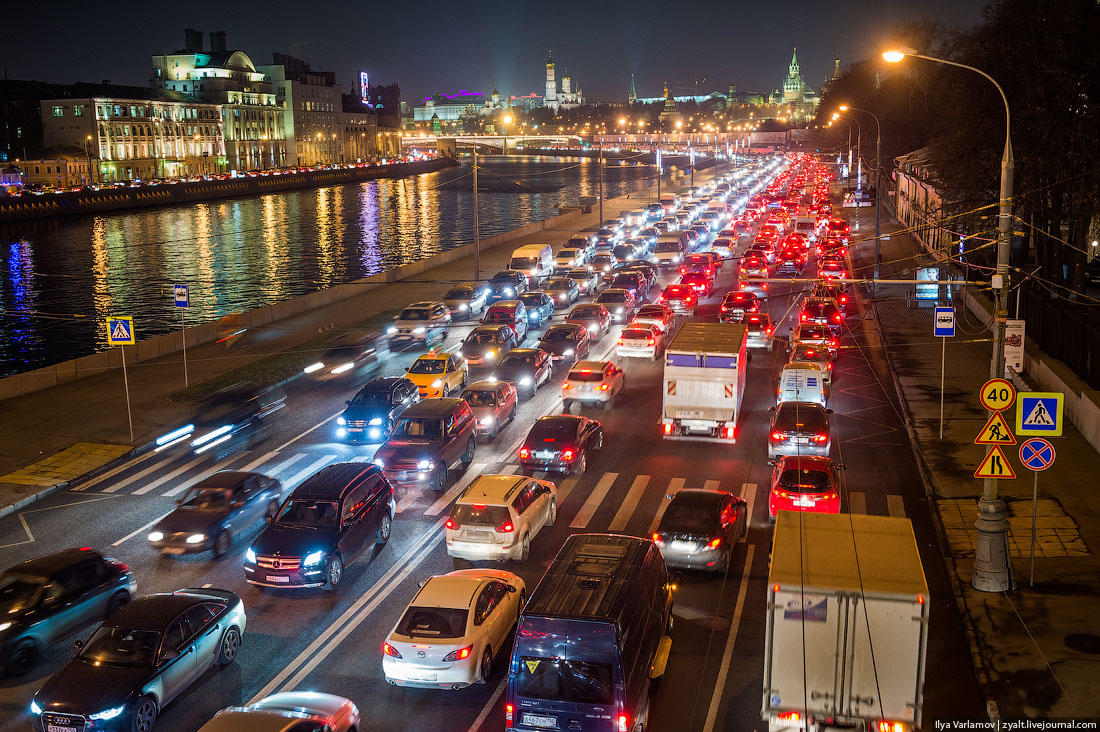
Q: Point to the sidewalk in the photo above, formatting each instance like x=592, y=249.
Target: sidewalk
x=53, y=437
x=1037, y=648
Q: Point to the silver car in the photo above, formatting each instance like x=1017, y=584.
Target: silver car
x=288, y=712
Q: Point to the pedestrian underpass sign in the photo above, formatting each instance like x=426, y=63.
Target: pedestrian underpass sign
x=120, y=331
x=995, y=432
x=1039, y=413
x=995, y=465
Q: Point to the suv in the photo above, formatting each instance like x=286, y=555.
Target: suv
x=438, y=374
x=821, y=311
x=329, y=520
x=592, y=382
x=431, y=437
x=54, y=596
x=420, y=323
x=370, y=414
x=681, y=298
x=507, y=284
x=498, y=515
x=487, y=343
x=736, y=304
x=760, y=330
x=620, y=304
x=799, y=428
x=817, y=335
x=636, y=282
x=466, y=299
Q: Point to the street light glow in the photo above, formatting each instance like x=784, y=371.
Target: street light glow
x=897, y=54
x=843, y=107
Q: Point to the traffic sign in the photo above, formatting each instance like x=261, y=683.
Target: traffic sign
x=995, y=465
x=120, y=331
x=1037, y=454
x=995, y=432
x=1040, y=413
x=182, y=297
x=997, y=394
x=944, y=324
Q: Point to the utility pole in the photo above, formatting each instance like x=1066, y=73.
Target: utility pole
x=477, y=230
x=601, y=182
x=691, y=161
x=658, y=171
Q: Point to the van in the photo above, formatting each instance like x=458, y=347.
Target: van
x=802, y=382
x=806, y=225
x=669, y=202
x=669, y=250
x=536, y=260
x=592, y=643
x=508, y=312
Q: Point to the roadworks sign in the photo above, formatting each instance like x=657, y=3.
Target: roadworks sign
x=995, y=432
x=995, y=465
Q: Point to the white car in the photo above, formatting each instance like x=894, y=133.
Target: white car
x=289, y=711
x=497, y=516
x=592, y=382
x=641, y=339
x=569, y=258
x=452, y=630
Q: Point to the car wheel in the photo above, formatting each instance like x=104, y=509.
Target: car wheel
x=468, y=456
x=221, y=543
x=334, y=571
x=441, y=477
x=120, y=600
x=465, y=379
x=230, y=647
x=384, y=527
x=486, y=666
x=446, y=391
x=524, y=549
x=552, y=514
x=145, y=715
x=512, y=416
x=23, y=658
x=272, y=510
x=581, y=465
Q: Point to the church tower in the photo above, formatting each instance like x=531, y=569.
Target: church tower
x=551, y=98
x=632, y=95
x=793, y=86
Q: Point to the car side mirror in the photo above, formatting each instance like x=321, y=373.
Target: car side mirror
x=511, y=589
x=828, y=411
x=79, y=645
x=347, y=402
x=421, y=583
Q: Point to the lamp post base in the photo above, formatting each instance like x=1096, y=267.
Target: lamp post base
x=992, y=564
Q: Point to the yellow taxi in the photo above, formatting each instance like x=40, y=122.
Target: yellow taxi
x=438, y=374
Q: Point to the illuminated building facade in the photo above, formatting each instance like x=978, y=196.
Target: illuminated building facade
x=313, y=110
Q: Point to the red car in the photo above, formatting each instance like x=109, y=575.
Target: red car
x=700, y=281
x=804, y=483
x=681, y=298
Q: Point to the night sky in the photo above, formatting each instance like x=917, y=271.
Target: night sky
x=430, y=47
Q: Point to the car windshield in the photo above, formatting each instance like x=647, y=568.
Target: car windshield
x=430, y=428
x=480, y=397
x=428, y=366
x=603, y=259
x=207, y=499
x=559, y=334
x=414, y=314
x=480, y=339
x=532, y=300
x=584, y=314
x=524, y=262
x=801, y=418
x=499, y=316
x=433, y=622
x=518, y=360
x=805, y=480
x=585, y=375
x=18, y=591
x=556, y=679
x=306, y=512
x=668, y=246
x=460, y=294
x=559, y=285
x=502, y=278
x=121, y=647
x=371, y=398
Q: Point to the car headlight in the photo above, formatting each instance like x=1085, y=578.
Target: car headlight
x=567, y=352
x=490, y=355
x=156, y=535
x=313, y=367
x=375, y=421
x=509, y=291
x=250, y=555
x=437, y=383
x=379, y=463
x=487, y=420
x=344, y=367
x=526, y=381
x=618, y=311
x=196, y=538
x=419, y=330
x=5, y=625
x=676, y=258
x=35, y=709
x=425, y=465
x=463, y=307
x=107, y=713
x=593, y=328
x=562, y=296
x=313, y=559
x=391, y=330
x=341, y=420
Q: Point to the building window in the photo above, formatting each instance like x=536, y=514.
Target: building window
x=58, y=111
x=78, y=110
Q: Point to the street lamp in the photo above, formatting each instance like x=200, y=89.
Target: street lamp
x=878, y=183
x=992, y=568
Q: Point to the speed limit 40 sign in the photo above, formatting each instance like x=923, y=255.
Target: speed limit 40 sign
x=997, y=395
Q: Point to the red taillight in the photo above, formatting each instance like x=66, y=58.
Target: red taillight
x=567, y=454
x=713, y=543
x=566, y=386
x=789, y=716
x=623, y=719
x=820, y=437
x=507, y=528
x=667, y=428
x=657, y=537
x=524, y=453
x=458, y=655
x=778, y=436
x=768, y=330
x=390, y=650
x=620, y=341
x=605, y=387
x=804, y=317
x=828, y=366
x=508, y=715
x=730, y=432
x=724, y=308
x=452, y=524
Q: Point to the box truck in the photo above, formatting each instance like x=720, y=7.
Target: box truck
x=704, y=382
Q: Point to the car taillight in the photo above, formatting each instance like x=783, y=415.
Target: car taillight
x=724, y=308
x=605, y=387
x=458, y=655
x=768, y=330
x=623, y=719
x=884, y=726
x=524, y=453
x=804, y=317
x=452, y=524
x=506, y=528
x=567, y=454
x=778, y=436
x=508, y=708
x=390, y=650
x=657, y=538
x=820, y=437
x=566, y=385
x=667, y=428
x=620, y=341
x=828, y=366
x=730, y=432
x=651, y=342
x=789, y=717
x=713, y=543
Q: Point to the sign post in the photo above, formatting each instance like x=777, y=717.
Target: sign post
x=944, y=328
x=120, y=332
x=183, y=301
x=1037, y=455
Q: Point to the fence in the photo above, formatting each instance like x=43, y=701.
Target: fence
x=1064, y=330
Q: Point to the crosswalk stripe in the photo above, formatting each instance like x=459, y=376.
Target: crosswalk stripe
x=674, y=487
x=187, y=484
x=896, y=505
x=109, y=474
x=566, y=488
x=857, y=502
x=407, y=500
x=284, y=464
x=460, y=485
x=115, y=487
x=588, y=510
x=629, y=504
x=748, y=492
x=307, y=471
x=711, y=485
x=509, y=470
x=359, y=459
x=171, y=476
x=259, y=461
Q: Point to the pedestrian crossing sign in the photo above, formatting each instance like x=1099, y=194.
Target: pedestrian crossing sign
x=120, y=331
x=995, y=465
x=995, y=432
x=1040, y=413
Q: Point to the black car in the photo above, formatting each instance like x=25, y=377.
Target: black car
x=216, y=509
x=46, y=599
x=565, y=342
x=626, y=251
x=372, y=412
x=525, y=368
x=507, y=284
x=636, y=282
x=620, y=304
x=429, y=440
x=699, y=528
x=348, y=357
x=540, y=307
x=235, y=416
x=329, y=520
x=561, y=442
x=486, y=344
x=563, y=290
x=143, y=656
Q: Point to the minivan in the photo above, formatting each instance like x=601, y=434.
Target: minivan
x=512, y=313
x=534, y=260
x=802, y=381
x=592, y=642
x=431, y=437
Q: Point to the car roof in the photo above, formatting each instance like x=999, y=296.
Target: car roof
x=332, y=481
x=564, y=326
x=492, y=488
x=225, y=479
x=153, y=612
x=48, y=564
x=590, y=365
x=700, y=496
x=423, y=304
x=488, y=328
x=448, y=590
x=437, y=407
x=572, y=420
x=616, y=290
x=483, y=385
x=250, y=720
x=432, y=356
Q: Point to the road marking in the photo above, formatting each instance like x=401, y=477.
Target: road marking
x=748, y=492
x=30, y=537
x=711, y=485
x=194, y=481
x=298, y=437
x=170, y=476
x=674, y=486
x=285, y=464
x=134, y=533
x=588, y=510
x=259, y=461
x=896, y=505
x=112, y=473
x=629, y=504
x=407, y=500
x=26, y=527
x=857, y=502
x=509, y=470
x=688, y=613
x=566, y=488
x=133, y=478
x=489, y=706
x=208, y=584
x=460, y=485
x=309, y=470
x=723, y=670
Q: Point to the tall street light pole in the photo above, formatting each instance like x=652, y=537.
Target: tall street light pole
x=878, y=183
x=859, y=161
x=992, y=568
x=600, y=143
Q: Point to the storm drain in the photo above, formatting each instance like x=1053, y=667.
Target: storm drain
x=1084, y=643
x=714, y=622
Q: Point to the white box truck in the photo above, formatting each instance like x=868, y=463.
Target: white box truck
x=704, y=381
x=847, y=624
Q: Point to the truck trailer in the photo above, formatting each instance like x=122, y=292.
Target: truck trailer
x=704, y=382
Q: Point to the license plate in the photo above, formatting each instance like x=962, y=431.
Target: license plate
x=423, y=677
x=544, y=454
x=536, y=720
x=683, y=546
x=804, y=502
x=355, y=429
x=802, y=440
x=277, y=578
x=172, y=550
x=55, y=728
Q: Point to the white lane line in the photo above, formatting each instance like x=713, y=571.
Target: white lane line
x=132, y=534
x=298, y=437
x=460, y=485
x=723, y=670
x=566, y=488
x=896, y=505
x=488, y=706
x=259, y=461
x=309, y=470
x=674, y=486
x=509, y=469
x=187, y=484
x=748, y=492
x=588, y=510
x=415, y=552
x=630, y=503
x=284, y=464
x=112, y=473
x=208, y=584
x=114, y=488
x=411, y=494
x=857, y=502
x=170, y=476
x=711, y=485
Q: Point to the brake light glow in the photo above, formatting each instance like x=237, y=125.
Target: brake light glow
x=790, y=717
x=623, y=719
x=390, y=650
x=452, y=524
x=524, y=453
x=657, y=537
x=885, y=726
x=667, y=428
x=567, y=454
x=508, y=715
x=778, y=436
x=605, y=386
x=507, y=528
x=715, y=542
x=651, y=342
x=458, y=655
x=730, y=432
x=820, y=437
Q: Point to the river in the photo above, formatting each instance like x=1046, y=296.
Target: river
x=62, y=278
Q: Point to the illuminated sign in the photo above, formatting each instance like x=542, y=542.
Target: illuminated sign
x=364, y=88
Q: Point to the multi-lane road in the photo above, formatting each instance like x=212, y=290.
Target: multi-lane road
x=331, y=642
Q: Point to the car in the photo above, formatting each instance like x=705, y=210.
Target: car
x=420, y=324
x=832, y=268
x=701, y=282
x=760, y=330
x=562, y=443
x=48, y=598
x=466, y=299
x=370, y=414
x=494, y=405
x=438, y=374
x=593, y=316
x=350, y=356
x=810, y=353
x=682, y=299
x=586, y=278
x=762, y=250
x=736, y=304
x=668, y=252
x=838, y=228
x=563, y=291
x=592, y=382
x=799, y=428
x=497, y=516
x=507, y=284
x=524, y=368
x=233, y=416
x=453, y=628
x=607, y=237
x=641, y=340
x=331, y=519
x=213, y=511
x=289, y=711
x=486, y=344
x=619, y=302
x=568, y=257
x=565, y=341
x=821, y=336
x=584, y=243
x=539, y=307
x=626, y=251
x=700, y=527
x=837, y=291
x=636, y=282
x=657, y=314
x=512, y=313
x=432, y=437
x=603, y=263
x=646, y=268
x=791, y=262
x=804, y=483
x=821, y=311
x=144, y=655
x=708, y=262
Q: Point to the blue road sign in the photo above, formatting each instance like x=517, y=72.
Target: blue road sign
x=120, y=331
x=944, y=325
x=183, y=299
x=1037, y=454
x=1039, y=413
